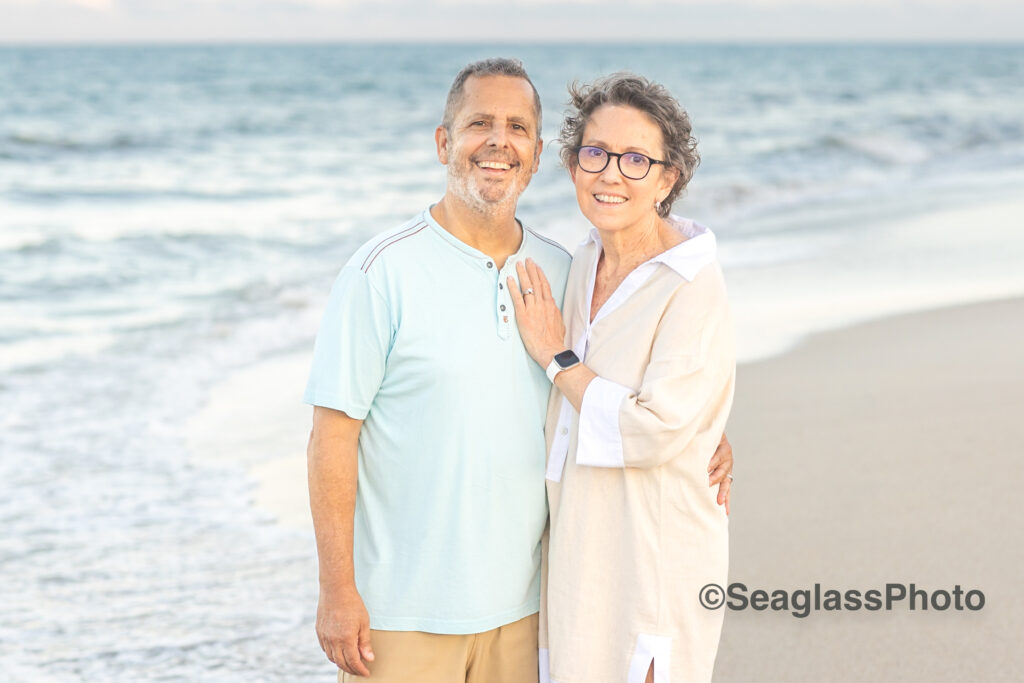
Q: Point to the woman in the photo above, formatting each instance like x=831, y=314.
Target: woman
x=635, y=532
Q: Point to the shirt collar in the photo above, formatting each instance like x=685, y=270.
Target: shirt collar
x=688, y=257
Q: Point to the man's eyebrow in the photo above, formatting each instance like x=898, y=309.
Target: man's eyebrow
x=480, y=115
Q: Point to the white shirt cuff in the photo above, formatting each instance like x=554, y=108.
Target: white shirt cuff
x=599, y=443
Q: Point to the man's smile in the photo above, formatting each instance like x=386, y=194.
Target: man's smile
x=495, y=165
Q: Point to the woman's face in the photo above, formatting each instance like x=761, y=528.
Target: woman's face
x=608, y=199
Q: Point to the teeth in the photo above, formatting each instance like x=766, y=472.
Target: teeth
x=494, y=164
x=610, y=198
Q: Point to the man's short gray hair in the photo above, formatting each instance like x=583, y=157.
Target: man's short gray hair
x=495, y=66
x=630, y=90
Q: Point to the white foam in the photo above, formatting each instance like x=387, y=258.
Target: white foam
x=898, y=266
x=255, y=419
x=34, y=352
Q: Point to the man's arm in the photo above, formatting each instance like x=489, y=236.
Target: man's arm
x=342, y=622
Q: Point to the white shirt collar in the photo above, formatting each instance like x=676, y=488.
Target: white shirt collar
x=688, y=257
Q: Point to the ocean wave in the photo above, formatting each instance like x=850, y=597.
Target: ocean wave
x=888, y=149
x=125, y=194
x=29, y=146
x=12, y=142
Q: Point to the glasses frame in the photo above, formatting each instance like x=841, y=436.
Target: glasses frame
x=618, y=161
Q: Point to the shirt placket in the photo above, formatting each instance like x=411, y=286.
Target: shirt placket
x=503, y=303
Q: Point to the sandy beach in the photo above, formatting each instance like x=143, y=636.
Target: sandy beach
x=884, y=453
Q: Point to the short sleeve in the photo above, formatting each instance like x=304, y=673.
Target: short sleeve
x=352, y=347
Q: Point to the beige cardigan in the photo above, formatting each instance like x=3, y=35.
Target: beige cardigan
x=635, y=530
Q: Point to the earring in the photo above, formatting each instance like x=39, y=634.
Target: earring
x=657, y=206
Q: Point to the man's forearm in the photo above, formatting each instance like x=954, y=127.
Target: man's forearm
x=333, y=468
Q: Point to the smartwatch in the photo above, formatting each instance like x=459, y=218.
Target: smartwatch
x=562, y=361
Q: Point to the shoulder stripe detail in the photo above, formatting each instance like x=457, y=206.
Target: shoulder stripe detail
x=366, y=268
x=386, y=242
x=549, y=241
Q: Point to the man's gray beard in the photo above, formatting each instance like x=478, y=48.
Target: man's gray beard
x=473, y=198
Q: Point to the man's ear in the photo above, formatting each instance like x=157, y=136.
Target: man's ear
x=441, y=138
x=536, y=157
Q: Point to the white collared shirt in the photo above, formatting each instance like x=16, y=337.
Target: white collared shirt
x=599, y=440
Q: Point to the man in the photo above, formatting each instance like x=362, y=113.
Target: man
x=425, y=396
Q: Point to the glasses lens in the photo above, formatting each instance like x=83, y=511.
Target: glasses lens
x=634, y=165
x=592, y=159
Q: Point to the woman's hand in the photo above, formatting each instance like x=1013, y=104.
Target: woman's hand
x=537, y=315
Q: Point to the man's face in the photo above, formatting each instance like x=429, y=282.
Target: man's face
x=493, y=148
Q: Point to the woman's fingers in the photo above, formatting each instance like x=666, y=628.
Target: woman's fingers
x=525, y=281
x=532, y=271
x=517, y=296
x=541, y=280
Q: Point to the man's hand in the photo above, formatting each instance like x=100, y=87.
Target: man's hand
x=343, y=627
x=342, y=623
x=720, y=470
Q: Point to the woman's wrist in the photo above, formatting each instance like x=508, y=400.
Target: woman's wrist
x=547, y=355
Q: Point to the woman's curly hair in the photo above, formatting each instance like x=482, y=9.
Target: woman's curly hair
x=630, y=90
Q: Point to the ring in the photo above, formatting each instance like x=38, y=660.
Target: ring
x=730, y=477
x=529, y=290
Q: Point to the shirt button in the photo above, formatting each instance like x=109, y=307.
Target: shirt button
x=502, y=307
x=501, y=286
x=565, y=430
x=490, y=265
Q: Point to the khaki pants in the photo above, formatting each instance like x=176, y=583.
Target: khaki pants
x=507, y=654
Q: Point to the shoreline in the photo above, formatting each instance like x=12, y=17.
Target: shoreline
x=268, y=439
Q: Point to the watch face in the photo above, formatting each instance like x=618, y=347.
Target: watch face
x=566, y=359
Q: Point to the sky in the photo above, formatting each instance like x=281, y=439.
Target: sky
x=509, y=21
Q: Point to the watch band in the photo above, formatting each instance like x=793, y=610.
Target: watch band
x=553, y=369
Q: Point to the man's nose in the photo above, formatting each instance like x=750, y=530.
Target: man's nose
x=498, y=136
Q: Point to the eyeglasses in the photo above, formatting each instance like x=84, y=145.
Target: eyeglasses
x=632, y=165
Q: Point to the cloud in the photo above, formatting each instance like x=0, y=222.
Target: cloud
x=439, y=21
x=93, y=4
x=100, y=5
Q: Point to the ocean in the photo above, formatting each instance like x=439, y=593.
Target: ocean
x=171, y=216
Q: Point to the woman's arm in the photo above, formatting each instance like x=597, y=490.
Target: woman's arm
x=659, y=419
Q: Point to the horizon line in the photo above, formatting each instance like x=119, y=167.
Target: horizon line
x=456, y=42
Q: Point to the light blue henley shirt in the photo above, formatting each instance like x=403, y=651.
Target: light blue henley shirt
x=419, y=339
